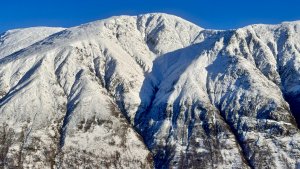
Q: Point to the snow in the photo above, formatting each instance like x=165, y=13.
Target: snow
x=17, y=39
x=194, y=95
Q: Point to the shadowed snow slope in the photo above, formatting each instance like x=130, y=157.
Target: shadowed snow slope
x=150, y=91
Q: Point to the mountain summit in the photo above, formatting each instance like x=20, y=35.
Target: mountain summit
x=150, y=91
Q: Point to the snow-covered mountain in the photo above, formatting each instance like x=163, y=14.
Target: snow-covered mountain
x=150, y=91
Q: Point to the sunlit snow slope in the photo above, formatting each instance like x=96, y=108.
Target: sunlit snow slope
x=150, y=91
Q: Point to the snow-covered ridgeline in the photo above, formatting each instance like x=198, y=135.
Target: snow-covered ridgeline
x=199, y=98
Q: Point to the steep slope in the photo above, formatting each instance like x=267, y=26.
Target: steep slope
x=212, y=84
x=63, y=104
x=150, y=90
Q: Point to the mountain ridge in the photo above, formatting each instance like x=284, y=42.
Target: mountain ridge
x=199, y=98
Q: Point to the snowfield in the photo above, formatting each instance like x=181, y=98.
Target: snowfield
x=150, y=91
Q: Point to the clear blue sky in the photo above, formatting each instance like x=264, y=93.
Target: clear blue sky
x=214, y=14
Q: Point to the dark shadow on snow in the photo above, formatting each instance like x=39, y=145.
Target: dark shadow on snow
x=169, y=66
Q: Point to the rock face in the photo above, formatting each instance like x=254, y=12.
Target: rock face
x=150, y=91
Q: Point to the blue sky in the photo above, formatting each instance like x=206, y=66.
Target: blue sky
x=213, y=14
